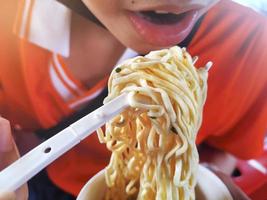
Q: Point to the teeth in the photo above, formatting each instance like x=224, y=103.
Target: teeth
x=161, y=12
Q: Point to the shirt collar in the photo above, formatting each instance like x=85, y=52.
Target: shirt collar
x=36, y=24
x=45, y=23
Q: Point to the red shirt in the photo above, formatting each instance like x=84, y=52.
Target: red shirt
x=233, y=37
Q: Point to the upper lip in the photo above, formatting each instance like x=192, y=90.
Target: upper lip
x=168, y=8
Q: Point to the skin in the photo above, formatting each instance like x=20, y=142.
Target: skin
x=114, y=17
x=7, y=196
x=224, y=161
x=8, y=154
x=120, y=33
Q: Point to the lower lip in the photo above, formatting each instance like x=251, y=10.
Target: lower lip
x=165, y=34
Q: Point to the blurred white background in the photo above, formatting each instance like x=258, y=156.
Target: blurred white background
x=258, y=5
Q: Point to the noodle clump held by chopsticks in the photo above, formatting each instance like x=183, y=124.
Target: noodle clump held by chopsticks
x=154, y=155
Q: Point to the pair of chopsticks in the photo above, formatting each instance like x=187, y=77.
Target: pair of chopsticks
x=18, y=173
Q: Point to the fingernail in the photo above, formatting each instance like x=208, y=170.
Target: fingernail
x=6, y=140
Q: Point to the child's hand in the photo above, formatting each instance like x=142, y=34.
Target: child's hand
x=8, y=154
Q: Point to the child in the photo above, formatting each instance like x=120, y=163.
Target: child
x=56, y=71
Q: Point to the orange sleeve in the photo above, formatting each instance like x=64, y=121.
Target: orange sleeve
x=235, y=114
x=246, y=139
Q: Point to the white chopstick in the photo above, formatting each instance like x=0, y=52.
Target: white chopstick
x=18, y=173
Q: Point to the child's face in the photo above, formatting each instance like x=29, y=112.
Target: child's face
x=146, y=25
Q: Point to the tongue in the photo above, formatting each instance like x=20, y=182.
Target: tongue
x=162, y=18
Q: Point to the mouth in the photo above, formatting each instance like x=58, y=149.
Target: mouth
x=163, y=27
x=162, y=17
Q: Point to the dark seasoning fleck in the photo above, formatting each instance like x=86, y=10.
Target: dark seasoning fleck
x=173, y=130
x=153, y=117
x=118, y=70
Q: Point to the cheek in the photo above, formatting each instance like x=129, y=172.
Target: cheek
x=113, y=16
x=110, y=12
x=103, y=8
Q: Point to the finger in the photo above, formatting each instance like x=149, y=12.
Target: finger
x=8, y=154
x=6, y=141
x=8, y=150
x=7, y=196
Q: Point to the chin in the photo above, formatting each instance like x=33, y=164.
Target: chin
x=144, y=47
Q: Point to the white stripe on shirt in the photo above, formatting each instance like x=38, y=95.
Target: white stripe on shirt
x=258, y=166
x=64, y=76
x=59, y=86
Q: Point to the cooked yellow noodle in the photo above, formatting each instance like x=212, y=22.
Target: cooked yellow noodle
x=154, y=155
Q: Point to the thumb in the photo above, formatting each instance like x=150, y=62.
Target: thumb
x=7, y=196
x=8, y=150
x=6, y=140
x=8, y=154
